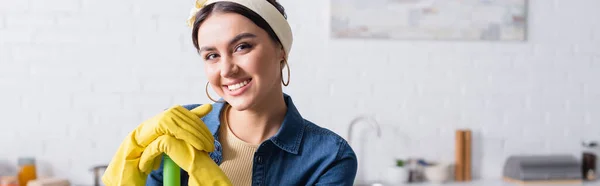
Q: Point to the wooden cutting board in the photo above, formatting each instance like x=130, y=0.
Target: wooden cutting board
x=543, y=182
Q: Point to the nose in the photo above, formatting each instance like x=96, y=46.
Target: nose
x=228, y=67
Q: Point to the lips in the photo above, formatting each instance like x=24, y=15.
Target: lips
x=239, y=85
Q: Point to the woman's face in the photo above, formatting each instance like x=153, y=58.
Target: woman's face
x=242, y=62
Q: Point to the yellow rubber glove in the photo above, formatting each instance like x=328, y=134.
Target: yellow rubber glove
x=127, y=166
x=202, y=170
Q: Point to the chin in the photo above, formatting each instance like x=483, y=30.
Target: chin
x=239, y=107
x=240, y=103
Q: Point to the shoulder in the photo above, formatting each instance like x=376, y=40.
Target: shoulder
x=338, y=164
x=315, y=131
x=323, y=139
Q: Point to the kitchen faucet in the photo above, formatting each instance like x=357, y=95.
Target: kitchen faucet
x=369, y=120
x=374, y=124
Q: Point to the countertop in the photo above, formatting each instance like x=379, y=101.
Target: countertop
x=488, y=182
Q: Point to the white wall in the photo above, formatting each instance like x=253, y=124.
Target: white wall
x=77, y=75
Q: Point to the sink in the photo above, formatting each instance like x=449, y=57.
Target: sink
x=369, y=184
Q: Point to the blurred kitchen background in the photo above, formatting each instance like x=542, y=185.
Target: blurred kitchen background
x=77, y=75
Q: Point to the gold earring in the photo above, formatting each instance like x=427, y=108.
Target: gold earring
x=285, y=83
x=206, y=90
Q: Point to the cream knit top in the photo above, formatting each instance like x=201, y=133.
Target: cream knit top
x=237, y=154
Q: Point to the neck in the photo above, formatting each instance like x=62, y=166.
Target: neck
x=259, y=123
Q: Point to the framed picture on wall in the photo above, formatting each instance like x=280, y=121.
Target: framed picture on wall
x=489, y=20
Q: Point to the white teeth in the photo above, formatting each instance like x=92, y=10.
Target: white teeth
x=237, y=86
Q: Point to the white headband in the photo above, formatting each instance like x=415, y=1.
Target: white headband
x=263, y=8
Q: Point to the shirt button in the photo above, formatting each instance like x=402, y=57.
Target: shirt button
x=259, y=159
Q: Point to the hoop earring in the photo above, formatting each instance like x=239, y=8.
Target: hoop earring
x=207, y=94
x=285, y=83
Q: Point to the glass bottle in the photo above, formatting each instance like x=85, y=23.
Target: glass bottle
x=589, y=161
x=27, y=170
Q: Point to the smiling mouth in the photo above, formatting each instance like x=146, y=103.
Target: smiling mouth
x=239, y=85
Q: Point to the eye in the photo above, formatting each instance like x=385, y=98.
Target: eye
x=243, y=46
x=210, y=56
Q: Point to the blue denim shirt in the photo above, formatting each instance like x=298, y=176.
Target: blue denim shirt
x=300, y=153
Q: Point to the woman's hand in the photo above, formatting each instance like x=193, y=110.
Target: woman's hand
x=180, y=123
x=202, y=170
x=166, y=132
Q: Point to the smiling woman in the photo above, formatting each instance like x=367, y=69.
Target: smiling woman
x=254, y=133
x=247, y=43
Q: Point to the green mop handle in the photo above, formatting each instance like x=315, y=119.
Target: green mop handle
x=171, y=173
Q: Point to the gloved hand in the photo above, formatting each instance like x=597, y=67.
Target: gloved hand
x=202, y=170
x=184, y=126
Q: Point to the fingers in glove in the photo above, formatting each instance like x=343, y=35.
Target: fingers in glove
x=194, y=125
x=202, y=110
x=163, y=144
x=208, y=173
x=199, y=112
x=192, y=138
x=196, y=114
x=200, y=167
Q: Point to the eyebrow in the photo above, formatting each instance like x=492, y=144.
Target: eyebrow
x=231, y=42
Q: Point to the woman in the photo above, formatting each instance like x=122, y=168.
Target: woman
x=253, y=135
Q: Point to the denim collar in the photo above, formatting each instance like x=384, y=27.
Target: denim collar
x=289, y=136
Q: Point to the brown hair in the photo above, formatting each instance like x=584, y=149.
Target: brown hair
x=230, y=7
